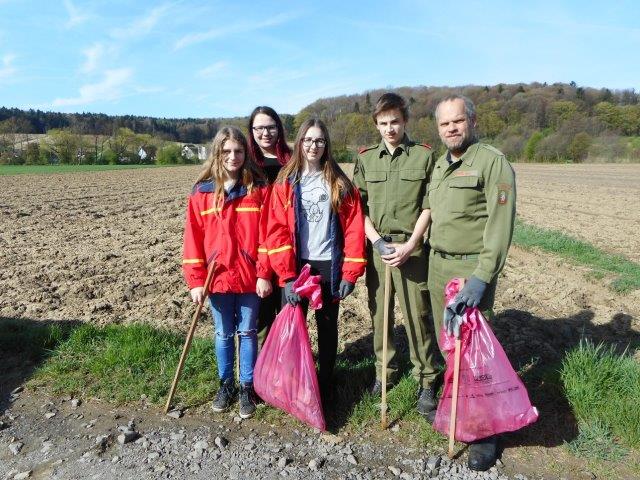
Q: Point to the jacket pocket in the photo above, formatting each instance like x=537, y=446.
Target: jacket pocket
x=463, y=194
x=376, y=186
x=412, y=185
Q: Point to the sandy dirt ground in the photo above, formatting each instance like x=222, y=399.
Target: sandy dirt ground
x=596, y=203
x=105, y=247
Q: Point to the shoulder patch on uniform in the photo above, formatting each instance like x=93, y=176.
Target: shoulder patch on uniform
x=492, y=149
x=364, y=149
x=503, y=193
x=426, y=145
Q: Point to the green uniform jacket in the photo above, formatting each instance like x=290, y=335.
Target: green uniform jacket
x=394, y=188
x=473, y=207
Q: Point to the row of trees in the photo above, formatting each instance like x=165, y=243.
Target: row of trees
x=185, y=130
x=65, y=146
x=528, y=122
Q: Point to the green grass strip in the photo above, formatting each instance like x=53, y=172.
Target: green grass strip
x=49, y=169
x=603, y=388
x=627, y=272
x=121, y=363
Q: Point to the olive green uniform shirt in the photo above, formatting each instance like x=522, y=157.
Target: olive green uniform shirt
x=473, y=206
x=394, y=187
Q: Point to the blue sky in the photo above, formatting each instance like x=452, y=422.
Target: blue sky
x=213, y=59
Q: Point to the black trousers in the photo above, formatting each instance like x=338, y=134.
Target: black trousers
x=326, y=322
x=269, y=308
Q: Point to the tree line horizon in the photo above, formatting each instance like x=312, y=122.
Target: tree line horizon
x=559, y=122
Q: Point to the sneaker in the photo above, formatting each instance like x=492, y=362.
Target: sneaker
x=427, y=404
x=225, y=396
x=247, y=400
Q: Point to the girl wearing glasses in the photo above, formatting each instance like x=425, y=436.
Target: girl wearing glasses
x=316, y=218
x=269, y=149
x=226, y=224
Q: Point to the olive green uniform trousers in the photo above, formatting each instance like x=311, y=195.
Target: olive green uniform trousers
x=409, y=284
x=442, y=268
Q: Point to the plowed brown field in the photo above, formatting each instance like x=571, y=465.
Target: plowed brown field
x=105, y=247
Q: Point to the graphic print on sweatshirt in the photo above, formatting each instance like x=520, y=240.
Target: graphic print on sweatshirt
x=312, y=201
x=316, y=209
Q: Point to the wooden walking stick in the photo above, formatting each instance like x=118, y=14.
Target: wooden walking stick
x=385, y=328
x=454, y=394
x=187, y=343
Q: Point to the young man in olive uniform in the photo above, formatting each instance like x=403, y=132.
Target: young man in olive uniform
x=392, y=179
x=472, y=196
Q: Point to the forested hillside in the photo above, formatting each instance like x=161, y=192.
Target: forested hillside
x=534, y=122
x=528, y=122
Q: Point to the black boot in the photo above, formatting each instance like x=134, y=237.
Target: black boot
x=427, y=404
x=483, y=453
x=376, y=388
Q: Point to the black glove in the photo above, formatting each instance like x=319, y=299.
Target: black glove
x=383, y=247
x=345, y=289
x=469, y=296
x=292, y=297
x=453, y=321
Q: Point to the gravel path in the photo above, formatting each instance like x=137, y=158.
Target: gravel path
x=67, y=439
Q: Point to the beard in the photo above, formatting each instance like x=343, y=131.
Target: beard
x=460, y=144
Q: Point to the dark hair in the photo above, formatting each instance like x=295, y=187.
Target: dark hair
x=339, y=184
x=391, y=101
x=283, y=152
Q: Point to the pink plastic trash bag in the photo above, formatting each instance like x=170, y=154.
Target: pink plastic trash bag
x=285, y=373
x=491, y=397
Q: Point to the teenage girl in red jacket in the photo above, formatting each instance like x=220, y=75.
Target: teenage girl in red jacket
x=316, y=218
x=269, y=149
x=226, y=224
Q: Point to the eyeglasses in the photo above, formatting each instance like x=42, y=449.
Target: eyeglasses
x=320, y=142
x=269, y=128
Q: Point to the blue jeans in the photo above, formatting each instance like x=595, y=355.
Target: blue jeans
x=235, y=313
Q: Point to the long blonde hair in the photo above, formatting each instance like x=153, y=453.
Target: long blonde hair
x=339, y=184
x=214, y=166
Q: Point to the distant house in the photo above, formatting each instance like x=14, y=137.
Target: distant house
x=191, y=151
x=147, y=153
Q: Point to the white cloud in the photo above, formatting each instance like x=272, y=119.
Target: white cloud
x=142, y=25
x=7, y=69
x=213, y=70
x=76, y=17
x=94, y=56
x=240, y=27
x=111, y=88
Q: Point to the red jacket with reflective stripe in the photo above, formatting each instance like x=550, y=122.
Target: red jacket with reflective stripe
x=347, y=228
x=232, y=235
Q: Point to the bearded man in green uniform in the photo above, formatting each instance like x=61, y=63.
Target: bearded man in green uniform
x=392, y=178
x=472, y=197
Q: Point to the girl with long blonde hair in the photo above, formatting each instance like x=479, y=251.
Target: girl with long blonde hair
x=226, y=224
